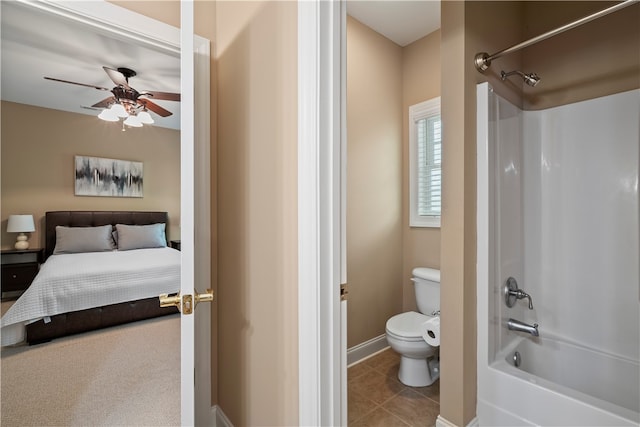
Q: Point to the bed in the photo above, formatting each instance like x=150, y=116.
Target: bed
x=79, y=291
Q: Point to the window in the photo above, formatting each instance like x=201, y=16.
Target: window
x=425, y=183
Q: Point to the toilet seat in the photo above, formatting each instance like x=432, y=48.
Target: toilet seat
x=407, y=326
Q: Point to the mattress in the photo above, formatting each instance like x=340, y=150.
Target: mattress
x=72, y=282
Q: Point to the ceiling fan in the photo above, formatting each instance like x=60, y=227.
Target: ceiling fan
x=132, y=101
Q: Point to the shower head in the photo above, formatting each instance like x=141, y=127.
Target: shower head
x=531, y=79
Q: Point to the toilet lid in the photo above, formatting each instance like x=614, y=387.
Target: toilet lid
x=407, y=325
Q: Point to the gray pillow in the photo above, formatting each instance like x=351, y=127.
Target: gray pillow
x=71, y=240
x=141, y=236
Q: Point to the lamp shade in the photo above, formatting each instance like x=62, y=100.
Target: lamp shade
x=145, y=117
x=133, y=121
x=108, y=115
x=20, y=224
x=118, y=110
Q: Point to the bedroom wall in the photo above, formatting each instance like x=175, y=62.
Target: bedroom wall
x=38, y=149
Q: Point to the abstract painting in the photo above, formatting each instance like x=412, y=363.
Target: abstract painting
x=96, y=176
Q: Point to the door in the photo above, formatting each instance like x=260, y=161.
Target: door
x=195, y=331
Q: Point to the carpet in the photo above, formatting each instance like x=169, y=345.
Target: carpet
x=122, y=376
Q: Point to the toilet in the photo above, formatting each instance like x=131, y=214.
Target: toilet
x=419, y=362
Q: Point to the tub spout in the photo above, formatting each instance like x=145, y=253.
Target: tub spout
x=516, y=325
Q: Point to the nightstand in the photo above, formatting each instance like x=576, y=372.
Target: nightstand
x=19, y=269
x=175, y=244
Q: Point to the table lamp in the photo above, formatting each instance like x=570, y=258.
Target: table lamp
x=21, y=224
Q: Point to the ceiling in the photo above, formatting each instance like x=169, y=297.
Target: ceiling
x=56, y=47
x=402, y=22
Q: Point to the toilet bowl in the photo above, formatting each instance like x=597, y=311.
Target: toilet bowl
x=419, y=361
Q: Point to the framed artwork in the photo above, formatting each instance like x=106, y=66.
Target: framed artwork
x=96, y=176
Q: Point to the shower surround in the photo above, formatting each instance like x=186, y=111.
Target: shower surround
x=558, y=211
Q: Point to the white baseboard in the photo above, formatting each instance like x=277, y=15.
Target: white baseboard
x=220, y=418
x=362, y=351
x=442, y=422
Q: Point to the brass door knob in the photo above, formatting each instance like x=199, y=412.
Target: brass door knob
x=170, y=301
x=204, y=297
x=185, y=303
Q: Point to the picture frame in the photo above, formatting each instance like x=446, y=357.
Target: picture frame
x=97, y=176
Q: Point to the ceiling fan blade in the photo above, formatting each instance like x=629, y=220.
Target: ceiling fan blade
x=154, y=107
x=76, y=83
x=117, y=77
x=165, y=96
x=105, y=102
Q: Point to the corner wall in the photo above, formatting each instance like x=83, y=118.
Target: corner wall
x=256, y=60
x=464, y=32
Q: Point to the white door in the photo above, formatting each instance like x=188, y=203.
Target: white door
x=195, y=332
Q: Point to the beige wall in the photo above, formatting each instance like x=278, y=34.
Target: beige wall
x=597, y=59
x=420, y=82
x=256, y=58
x=38, y=149
x=374, y=172
x=383, y=80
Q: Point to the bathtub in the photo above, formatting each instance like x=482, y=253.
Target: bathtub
x=603, y=382
x=579, y=378
x=557, y=384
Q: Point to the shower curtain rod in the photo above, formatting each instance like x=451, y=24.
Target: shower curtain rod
x=483, y=59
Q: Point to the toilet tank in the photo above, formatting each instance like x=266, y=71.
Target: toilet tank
x=426, y=282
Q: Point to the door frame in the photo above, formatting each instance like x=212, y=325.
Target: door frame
x=128, y=25
x=321, y=212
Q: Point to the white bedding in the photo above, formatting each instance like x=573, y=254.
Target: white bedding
x=72, y=282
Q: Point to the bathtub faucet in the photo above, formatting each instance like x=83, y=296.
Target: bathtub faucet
x=516, y=325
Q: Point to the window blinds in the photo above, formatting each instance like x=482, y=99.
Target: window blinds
x=429, y=133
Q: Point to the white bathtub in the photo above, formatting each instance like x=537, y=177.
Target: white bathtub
x=600, y=380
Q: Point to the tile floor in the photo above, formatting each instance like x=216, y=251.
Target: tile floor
x=378, y=398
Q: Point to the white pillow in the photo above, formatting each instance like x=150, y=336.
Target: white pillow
x=141, y=236
x=71, y=240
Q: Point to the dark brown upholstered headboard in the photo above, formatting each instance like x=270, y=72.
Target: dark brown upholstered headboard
x=95, y=219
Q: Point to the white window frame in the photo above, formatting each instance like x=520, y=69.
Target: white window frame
x=417, y=112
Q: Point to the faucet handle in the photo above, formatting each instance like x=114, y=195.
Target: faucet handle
x=520, y=294
x=512, y=293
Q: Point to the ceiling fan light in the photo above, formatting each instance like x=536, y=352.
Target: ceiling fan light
x=119, y=110
x=133, y=121
x=108, y=115
x=145, y=117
